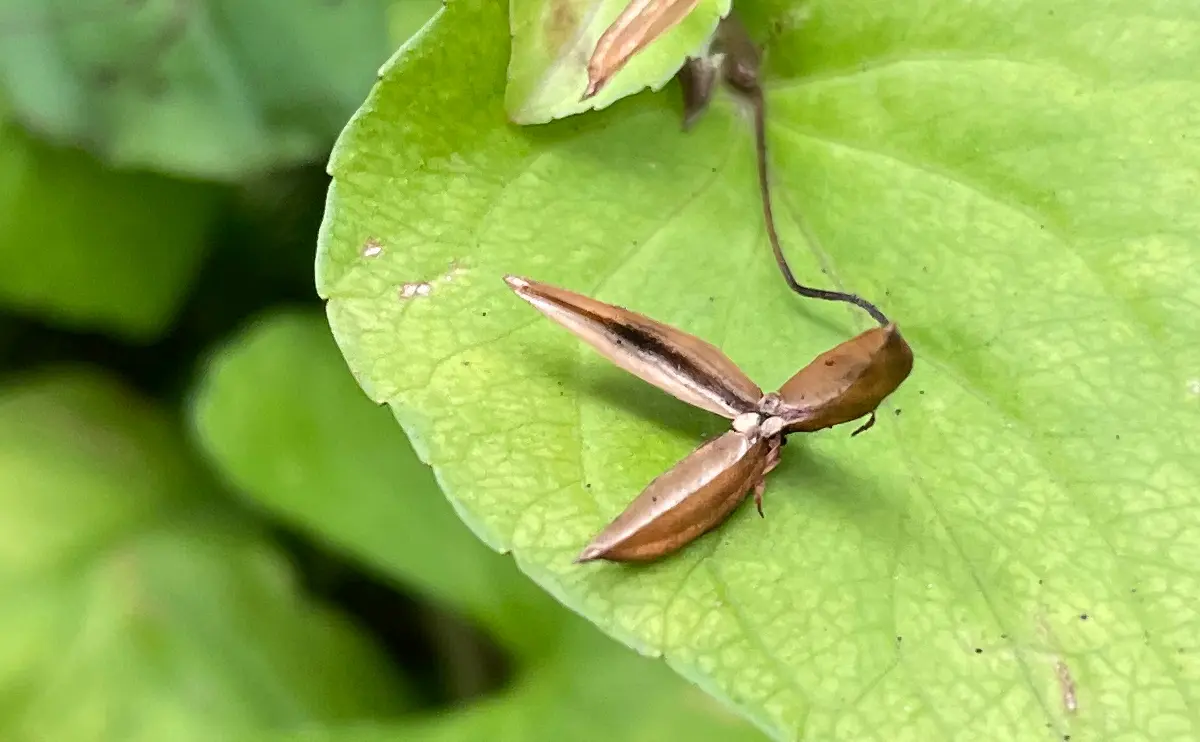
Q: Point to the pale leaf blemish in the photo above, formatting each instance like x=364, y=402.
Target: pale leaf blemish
x=456, y=270
x=372, y=248
x=413, y=289
x=1193, y=387
x=418, y=288
x=1066, y=684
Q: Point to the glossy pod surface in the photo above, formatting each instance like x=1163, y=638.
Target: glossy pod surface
x=845, y=382
x=680, y=364
x=690, y=499
x=639, y=24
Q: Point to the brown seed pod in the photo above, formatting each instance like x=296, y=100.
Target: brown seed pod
x=690, y=499
x=845, y=383
x=639, y=24
x=680, y=364
x=699, y=492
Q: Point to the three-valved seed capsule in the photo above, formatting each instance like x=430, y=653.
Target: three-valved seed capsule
x=697, y=494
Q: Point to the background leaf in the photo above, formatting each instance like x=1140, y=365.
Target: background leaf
x=592, y=685
x=93, y=248
x=405, y=17
x=215, y=88
x=283, y=421
x=137, y=607
x=1014, y=183
x=552, y=41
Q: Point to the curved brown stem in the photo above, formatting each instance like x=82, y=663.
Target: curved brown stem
x=760, y=144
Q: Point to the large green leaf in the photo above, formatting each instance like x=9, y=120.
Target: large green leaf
x=93, y=248
x=135, y=606
x=1013, y=557
x=552, y=41
x=283, y=421
x=213, y=88
x=592, y=689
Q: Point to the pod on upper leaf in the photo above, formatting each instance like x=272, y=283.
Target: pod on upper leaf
x=845, y=383
x=690, y=499
x=680, y=364
x=639, y=24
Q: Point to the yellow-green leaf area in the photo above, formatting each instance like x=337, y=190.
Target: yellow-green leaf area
x=1012, y=552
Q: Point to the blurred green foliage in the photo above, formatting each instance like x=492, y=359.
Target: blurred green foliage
x=208, y=530
x=208, y=88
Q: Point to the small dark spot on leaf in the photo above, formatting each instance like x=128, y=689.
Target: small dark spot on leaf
x=899, y=639
x=466, y=363
x=483, y=314
x=978, y=650
x=653, y=498
x=830, y=362
x=1039, y=582
x=922, y=391
x=1083, y=616
x=1118, y=436
x=587, y=485
x=1004, y=636
x=1133, y=589
x=898, y=412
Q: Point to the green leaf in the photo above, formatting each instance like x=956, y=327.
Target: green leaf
x=93, y=248
x=1014, y=183
x=136, y=607
x=406, y=17
x=284, y=423
x=552, y=41
x=217, y=89
x=591, y=687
